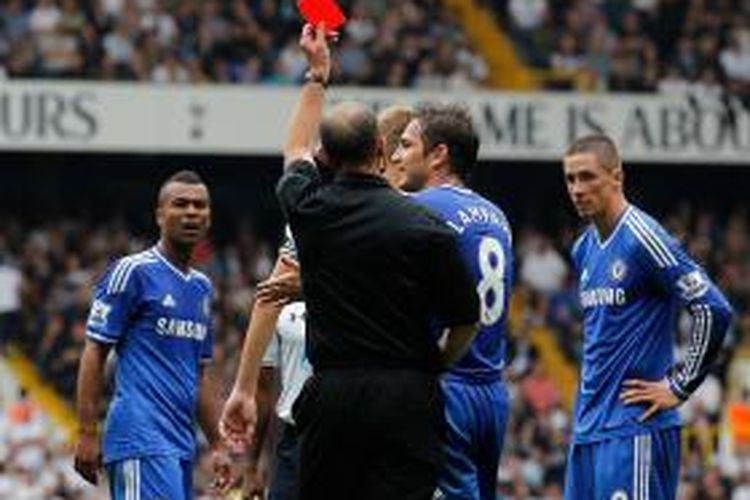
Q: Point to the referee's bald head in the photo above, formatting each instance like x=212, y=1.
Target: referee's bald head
x=349, y=136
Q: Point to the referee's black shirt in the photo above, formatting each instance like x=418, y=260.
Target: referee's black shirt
x=377, y=271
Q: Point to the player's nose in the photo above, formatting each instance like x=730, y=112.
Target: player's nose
x=396, y=156
x=576, y=188
x=192, y=209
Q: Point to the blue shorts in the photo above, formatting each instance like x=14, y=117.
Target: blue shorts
x=642, y=467
x=476, y=415
x=152, y=478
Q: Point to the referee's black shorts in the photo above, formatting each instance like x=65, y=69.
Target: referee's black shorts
x=370, y=434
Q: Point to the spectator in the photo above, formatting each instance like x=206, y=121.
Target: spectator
x=44, y=17
x=735, y=61
x=528, y=15
x=11, y=283
x=156, y=20
x=567, y=60
x=170, y=70
x=742, y=490
x=15, y=21
x=119, y=53
x=540, y=390
x=58, y=47
x=673, y=83
x=542, y=267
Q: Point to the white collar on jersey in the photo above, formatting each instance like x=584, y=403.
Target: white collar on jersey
x=460, y=189
x=186, y=276
x=611, y=236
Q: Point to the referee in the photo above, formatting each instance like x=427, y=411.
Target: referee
x=376, y=270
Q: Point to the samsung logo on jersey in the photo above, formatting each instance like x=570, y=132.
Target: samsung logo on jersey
x=603, y=297
x=182, y=328
x=475, y=215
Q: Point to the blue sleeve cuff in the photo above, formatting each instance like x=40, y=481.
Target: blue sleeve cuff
x=100, y=337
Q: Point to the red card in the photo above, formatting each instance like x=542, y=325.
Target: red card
x=326, y=12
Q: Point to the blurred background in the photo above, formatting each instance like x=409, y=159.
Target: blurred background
x=100, y=100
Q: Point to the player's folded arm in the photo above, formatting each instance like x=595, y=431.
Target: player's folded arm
x=683, y=278
x=711, y=317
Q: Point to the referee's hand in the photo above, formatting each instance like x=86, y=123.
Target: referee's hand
x=657, y=395
x=314, y=44
x=238, y=419
x=88, y=456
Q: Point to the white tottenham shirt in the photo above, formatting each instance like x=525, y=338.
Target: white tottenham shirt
x=287, y=353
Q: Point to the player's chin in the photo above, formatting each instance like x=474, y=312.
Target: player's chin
x=584, y=211
x=190, y=237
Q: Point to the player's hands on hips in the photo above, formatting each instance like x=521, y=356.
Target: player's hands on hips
x=238, y=419
x=88, y=456
x=221, y=465
x=284, y=288
x=314, y=44
x=657, y=395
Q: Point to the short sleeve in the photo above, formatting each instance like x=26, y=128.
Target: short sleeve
x=300, y=179
x=272, y=356
x=115, y=300
x=288, y=246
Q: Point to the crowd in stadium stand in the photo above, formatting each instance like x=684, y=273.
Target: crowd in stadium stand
x=34, y=456
x=666, y=46
x=385, y=43
x=670, y=46
x=51, y=267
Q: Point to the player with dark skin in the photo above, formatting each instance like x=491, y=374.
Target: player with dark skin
x=183, y=214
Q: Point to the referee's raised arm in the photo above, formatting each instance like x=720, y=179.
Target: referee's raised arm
x=307, y=114
x=300, y=172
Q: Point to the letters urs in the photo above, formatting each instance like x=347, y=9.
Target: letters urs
x=47, y=115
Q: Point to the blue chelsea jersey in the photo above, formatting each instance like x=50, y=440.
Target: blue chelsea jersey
x=631, y=288
x=485, y=243
x=159, y=321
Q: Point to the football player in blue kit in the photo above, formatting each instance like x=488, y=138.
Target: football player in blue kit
x=438, y=149
x=155, y=311
x=633, y=279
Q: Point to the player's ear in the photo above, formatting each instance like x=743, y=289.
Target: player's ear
x=208, y=221
x=619, y=175
x=380, y=157
x=159, y=215
x=439, y=157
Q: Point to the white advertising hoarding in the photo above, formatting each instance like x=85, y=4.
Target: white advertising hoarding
x=241, y=120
